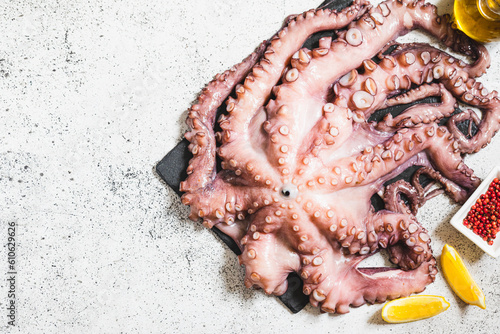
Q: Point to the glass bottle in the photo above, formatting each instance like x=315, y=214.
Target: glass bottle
x=479, y=19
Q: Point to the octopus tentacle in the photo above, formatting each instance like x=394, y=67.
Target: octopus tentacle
x=424, y=63
x=458, y=194
x=442, y=28
x=225, y=202
x=330, y=131
x=376, y=161
x=406, y=240
x=480, y=61
x=419, y=93
x=317, y=255
x=378, y=286
x=201, y=117
x=444, y=145
x=249, y=165
x=267, y=259
x=420, y=113
x=393, y=201
x=280, y=117
x=329, y=283
x=488, y=126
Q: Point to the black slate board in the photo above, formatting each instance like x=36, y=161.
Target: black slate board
x=172, y=169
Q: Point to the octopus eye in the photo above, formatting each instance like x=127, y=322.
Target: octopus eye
x=289, y=191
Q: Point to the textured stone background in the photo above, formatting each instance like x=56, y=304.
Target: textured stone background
x=92, y=94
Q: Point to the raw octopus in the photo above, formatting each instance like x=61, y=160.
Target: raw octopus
x=293, y=164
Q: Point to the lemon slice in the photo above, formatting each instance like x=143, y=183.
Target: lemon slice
x=413, y=308
x=459, y=278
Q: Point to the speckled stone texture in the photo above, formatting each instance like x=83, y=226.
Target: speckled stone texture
x=92, y=94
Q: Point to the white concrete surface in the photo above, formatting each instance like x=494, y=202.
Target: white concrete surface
x=92, y=95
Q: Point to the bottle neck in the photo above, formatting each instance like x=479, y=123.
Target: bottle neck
x=489, y=9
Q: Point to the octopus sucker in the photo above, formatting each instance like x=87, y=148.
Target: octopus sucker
x=300, y=156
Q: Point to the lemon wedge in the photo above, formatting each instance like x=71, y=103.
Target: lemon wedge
x=413, y=308
x=459, y=278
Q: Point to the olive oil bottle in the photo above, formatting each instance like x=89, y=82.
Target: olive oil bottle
x=479, y=19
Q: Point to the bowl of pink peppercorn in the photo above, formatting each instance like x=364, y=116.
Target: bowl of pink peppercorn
x=479, y=218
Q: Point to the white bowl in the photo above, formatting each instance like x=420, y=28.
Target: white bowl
x=458, y=218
